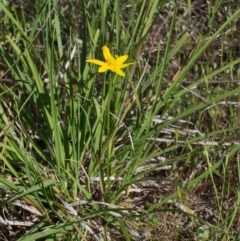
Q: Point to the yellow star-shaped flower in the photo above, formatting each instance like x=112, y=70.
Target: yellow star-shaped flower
x=113, y=64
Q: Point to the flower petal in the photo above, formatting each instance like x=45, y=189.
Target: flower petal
x=103, y=69
x=106, y=53
x=126, y=65
x=95, y=61
x=119, y=71
x=121, y=59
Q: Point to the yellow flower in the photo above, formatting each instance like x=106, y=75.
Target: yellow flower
x=111, y=63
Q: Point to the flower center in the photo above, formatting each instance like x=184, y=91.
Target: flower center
x=111, y=62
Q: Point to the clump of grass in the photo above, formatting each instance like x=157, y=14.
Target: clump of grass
x=96, y=156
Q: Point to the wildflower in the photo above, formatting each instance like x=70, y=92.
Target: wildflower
x=111, y=63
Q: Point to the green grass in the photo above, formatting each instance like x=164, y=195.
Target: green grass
x=96, y=156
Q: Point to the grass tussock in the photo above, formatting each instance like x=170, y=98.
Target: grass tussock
x=152, y=155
